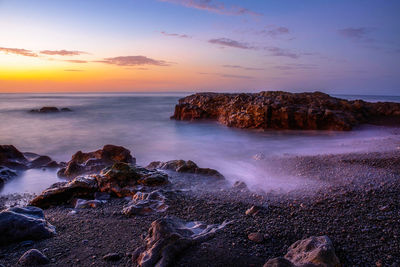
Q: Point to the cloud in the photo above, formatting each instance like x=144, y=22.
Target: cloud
x=225, y=75
x=356, y=34
x=279, y=52
x=133, y=61
x=274, y=31
x=298, y=66
x=230, y=43
x=240, y=67
x=76, y=61
x=18, y=51
x=214, y=7
x=62, y=52
x=176, y=35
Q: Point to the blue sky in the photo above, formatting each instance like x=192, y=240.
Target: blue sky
x=171, y=45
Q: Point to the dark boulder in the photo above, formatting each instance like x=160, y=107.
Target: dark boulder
x=33, y=257
x=95, y=161
x=66, y=192
x=28, y=223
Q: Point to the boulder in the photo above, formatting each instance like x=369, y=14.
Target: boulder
x=283, y=110
x=184, y=167
x=12, y=158
x=169, y=237
x=33, y=257
x=313, y=251
x=121, y=179
x=95, y=161
x=145, y=203
x=27, y=223
x=66, y=192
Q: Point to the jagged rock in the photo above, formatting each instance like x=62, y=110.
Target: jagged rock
x=93, y=162
x=122, y=178
x=145, y=203
x=168, y=237
x=33, y=257
x=184, y=166
x=283, y=110
x=27, y=223
x=313, y=251
x=65, y=192
x=11, y=159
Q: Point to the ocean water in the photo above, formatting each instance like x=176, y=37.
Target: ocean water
x=141, y=122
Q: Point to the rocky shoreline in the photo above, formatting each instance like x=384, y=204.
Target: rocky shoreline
x=354, y=204
x=283, y=110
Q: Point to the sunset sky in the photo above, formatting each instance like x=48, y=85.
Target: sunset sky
x=341, y=46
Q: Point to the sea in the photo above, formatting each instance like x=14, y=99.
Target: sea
x=141, y=122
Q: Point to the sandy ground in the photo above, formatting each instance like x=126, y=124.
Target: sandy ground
x=354, y=199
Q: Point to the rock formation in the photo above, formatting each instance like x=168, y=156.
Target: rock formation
x=283, y=110
x=95, y=161
x=314, y=251
x=27, y=223
x=50, y=110
x=13, y=160
x=184, y=166
x=168, y=237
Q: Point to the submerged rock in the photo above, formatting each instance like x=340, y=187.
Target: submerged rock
x=95, y=161
x=145, y=203
x=313, y=251
x=283, y=110
x=65, y=192
x=33, y=257
x=168, y=237
x=27, y=223
x=11, y=160
x=50, y=110
x=184, y=167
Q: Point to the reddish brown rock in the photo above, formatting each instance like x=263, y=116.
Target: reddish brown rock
x=283, y=110
x=95, y=161
x=184, y=166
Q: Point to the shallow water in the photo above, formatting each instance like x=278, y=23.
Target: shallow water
x=141, y=123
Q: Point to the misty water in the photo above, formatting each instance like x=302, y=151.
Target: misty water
x=141, y=122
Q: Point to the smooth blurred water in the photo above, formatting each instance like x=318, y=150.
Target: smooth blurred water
x=141, y=123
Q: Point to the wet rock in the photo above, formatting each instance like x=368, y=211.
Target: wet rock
x=11, y=157
x=65, y=109
x=33, y=257
x=83, y=203
x=169, y=237
x=254, y=210
x=121, y=179
x=45, y=110
x=112, y=257
x=256, y=237
x=6, y=174
x=43, y=162
x=313, y=251
x=185, y=167
x=283, y=110
x=93, y=162
x=65, y=192
x=259, y=156
x=27, y=223
x=145, y=203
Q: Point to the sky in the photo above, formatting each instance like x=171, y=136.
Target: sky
x=341, y=46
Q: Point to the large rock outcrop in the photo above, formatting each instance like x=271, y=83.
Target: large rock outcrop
x=28, y=223
x=95, y=161
x=314, y=251
x=283, y=110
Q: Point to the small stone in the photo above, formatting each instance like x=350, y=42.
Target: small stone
x=33, y=257
x=112, y=257
x=379, y=263
x=254, y=210
x=256, y=237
